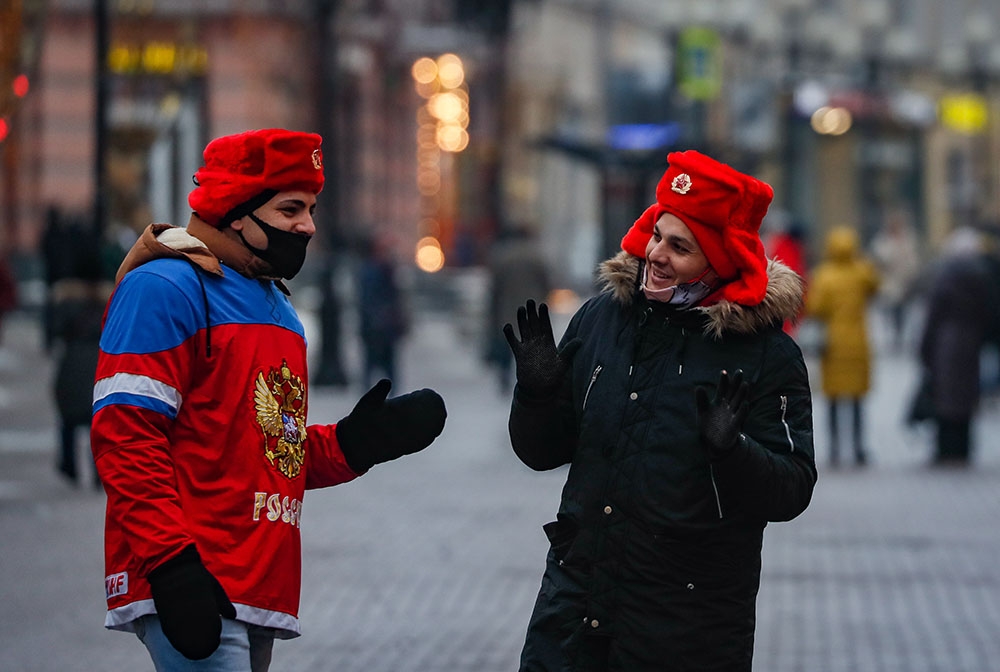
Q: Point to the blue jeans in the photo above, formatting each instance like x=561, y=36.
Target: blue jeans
x=243, y=647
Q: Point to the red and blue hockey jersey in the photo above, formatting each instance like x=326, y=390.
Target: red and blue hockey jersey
x=199, y=433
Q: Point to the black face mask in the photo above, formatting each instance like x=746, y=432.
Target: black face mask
x=286, y=251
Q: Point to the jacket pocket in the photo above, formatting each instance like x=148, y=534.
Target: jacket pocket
x=561, y=534
x=690, y=599
x=702, y=575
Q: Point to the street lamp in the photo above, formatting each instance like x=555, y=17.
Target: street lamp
x=101, y=87
x=789, y=22
x=700, y=43
x=331, y=371
x=874, y=20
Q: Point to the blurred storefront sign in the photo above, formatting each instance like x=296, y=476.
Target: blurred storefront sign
x=155, y=117
x=699, y=63
x=641, y=137
x=862, y=104
x=901, y=106
x=157, y=58
x=966, y=113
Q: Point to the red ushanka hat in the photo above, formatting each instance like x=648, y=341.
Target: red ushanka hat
x=241, y=167
x=724, y=209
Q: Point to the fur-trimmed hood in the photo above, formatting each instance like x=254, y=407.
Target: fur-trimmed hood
x=783, y=300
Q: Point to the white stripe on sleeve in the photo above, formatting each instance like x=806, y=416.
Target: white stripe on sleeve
x=143, y=386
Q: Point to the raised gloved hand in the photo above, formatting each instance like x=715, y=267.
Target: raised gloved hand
x=189, y=602
x=379, y=430
x=721, y=418
x=539, y=367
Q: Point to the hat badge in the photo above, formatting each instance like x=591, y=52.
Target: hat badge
x=317, y=159
x=681, y=183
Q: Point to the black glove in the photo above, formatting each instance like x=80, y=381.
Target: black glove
x=379, y=430
x=720, y=420
x=189, y=601
x=539, y=367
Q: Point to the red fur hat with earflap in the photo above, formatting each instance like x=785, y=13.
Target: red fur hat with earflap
x=724, y=209
x=241, y=167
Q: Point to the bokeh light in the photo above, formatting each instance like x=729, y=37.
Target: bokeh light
x=20, y=86
x=445, y=106
x=831, y=120
x=452, y=138
x=425, y=70
x=451, y=72
x=429, y=256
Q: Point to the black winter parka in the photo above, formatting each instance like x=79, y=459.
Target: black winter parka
x=655, y=553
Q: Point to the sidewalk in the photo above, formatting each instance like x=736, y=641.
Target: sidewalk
x=431, y=563
x=27, y=416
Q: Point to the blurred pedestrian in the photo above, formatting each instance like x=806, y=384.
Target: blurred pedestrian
x=383, y=315
x=990, y=384
x=840, y=290
x=518, y=272
x=787, y=244
x=8, y=291
x=64, y=242
x=200, y=408
x=77, y=289
x=684, y=412
x=76, y=313
x=958, y=315
x=897, y=256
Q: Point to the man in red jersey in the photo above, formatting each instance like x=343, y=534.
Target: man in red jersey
x=200, y=404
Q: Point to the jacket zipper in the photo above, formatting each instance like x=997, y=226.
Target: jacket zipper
x=593, y=379
x=715, y=489
x=643, y=318
x=788, y=432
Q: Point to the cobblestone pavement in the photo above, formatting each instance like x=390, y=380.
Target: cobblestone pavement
x=431, y=563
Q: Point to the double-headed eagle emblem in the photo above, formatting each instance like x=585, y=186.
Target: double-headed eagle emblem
x=280, y=402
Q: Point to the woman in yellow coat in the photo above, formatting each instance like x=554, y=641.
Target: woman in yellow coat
x=839, y=293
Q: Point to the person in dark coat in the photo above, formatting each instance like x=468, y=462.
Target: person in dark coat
x=78, y=288
x=518, y=271
x=382, y=311
x=990, y=384
x=956, y=323
x=77, y=306
x=684, y=412
x=8, y=291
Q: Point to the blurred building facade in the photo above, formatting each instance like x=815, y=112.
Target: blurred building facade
x=177, y=73
x=559, y=115
x=852, y=109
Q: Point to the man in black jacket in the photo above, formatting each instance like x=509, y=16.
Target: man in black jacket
x=685, y=414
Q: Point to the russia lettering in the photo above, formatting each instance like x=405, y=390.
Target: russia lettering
x=276, y=507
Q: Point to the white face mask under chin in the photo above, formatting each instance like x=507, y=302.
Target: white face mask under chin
x=683, y=295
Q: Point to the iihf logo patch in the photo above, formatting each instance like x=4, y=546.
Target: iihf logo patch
x=116, y=584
